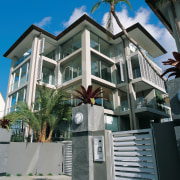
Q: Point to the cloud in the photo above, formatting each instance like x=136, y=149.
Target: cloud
x=77, y=13
x=44, y=22
x=157, y=31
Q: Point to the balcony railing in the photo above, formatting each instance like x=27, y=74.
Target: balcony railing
x=143, y=102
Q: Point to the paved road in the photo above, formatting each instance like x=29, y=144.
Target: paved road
x=61, y=177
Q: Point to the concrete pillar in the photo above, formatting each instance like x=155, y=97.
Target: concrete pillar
x=86, y=58
x=84, y=166
x=33, y=72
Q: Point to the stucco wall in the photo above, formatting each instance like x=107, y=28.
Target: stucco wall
x=35, y=158
x=2, y=105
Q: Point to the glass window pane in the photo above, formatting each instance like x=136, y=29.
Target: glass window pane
x=104, y=47
x=76, y=42
x=67, y=48
x=111, y=123
x=67, y=72
x=95, y=68
x=77, y=67
x=23, y=74
x=21, y=95
x=16, y=80
x=105, y=71
x=94, y=41
x=48, y=75
x=135, y=67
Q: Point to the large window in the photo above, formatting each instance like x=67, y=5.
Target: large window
x=71, y=69
x=20, y=76
x=16, y=97
x=100, y=45
x=100, y=68
x=48, y=75
x=135, y=67
x=71, y=45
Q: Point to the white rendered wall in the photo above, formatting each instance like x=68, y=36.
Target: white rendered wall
x=2, y=105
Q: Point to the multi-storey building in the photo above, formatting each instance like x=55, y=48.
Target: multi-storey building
x=82, y=54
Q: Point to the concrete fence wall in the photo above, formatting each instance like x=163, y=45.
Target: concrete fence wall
x=35, y=158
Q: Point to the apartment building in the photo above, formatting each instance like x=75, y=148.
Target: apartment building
x=82, y=54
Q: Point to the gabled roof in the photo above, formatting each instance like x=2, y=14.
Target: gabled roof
x=136, y=31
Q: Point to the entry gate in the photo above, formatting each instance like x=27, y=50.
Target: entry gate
x=133, y=155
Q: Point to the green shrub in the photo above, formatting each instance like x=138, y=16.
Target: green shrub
x=40, y=174
x=59, y=174
x=30, y=174
x=50, y=174
x=8, y=175
x=19, y=175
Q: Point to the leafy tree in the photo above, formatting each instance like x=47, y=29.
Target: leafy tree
x=51, y=110
x=112, y=12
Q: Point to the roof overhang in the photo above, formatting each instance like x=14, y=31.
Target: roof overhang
x=136, y=31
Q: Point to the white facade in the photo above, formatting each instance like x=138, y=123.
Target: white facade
x=2, y=106
x=82, y=54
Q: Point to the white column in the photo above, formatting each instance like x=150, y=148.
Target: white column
x=33, y=72
x=86, y=58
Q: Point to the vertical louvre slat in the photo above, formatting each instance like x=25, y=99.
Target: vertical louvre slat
x=133, y=155
x=67, y=158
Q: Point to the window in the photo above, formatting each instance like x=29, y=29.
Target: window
x=100, y=68
x=100, y=45
x=71, y=45
x=20, y=77
x=135, y=67
x=107, y=101
x=71, y=69
x=52, y=55
x=111, y=123
x=48, y=75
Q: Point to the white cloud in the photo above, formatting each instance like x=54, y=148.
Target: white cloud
x=159, y=33
x=44, y=22
x=77, y=13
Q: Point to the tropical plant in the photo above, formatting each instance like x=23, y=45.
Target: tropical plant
x=109, y=25
x=51, y=110
x=89, y=96
x=175, y=70
x=4, y=123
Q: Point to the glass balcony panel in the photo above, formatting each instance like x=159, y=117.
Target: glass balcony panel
x=48, y=75
x=16, y=80
x=124, y=106
x=111, y=123
x=95, y=67
x=76, y=42
x=77, y=67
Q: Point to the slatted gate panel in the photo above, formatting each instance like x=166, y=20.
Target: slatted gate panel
x=67, y=158
x=133, y=155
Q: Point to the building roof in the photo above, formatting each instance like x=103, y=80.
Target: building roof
x=136, y=31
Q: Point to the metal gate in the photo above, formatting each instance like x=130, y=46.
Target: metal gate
x=67, y=158
x=133, y=155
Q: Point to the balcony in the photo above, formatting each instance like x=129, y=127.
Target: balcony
x=145, y=104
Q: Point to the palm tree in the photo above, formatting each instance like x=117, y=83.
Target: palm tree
x=112, y=4
x=51, y=110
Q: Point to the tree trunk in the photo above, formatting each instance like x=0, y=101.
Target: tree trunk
x=42, y=137
x=50, y=135
x=134, y=42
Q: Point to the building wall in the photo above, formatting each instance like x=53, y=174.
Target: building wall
x=2, y=106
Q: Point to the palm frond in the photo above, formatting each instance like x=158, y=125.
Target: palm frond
x=96, y=6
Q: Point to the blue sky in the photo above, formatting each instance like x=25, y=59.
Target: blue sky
x=54, y=16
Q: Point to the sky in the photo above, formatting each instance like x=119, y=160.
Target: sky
x=56, y=15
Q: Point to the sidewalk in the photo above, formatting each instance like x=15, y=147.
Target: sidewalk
x=61, y=177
